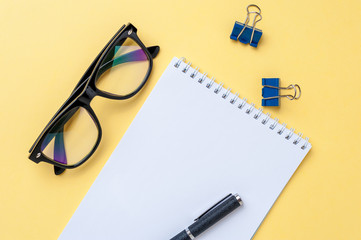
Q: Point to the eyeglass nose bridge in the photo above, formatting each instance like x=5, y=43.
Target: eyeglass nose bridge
x=88, y=95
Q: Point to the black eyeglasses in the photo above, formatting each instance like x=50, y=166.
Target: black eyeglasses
x=118, y=72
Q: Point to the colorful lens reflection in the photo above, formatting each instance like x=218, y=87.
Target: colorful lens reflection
x=71, y=138
x=124, y=69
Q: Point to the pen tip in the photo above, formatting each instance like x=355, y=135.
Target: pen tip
x=239, y=199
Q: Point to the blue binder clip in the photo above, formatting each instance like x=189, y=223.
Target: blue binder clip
x=246, y=34
x=270, y=91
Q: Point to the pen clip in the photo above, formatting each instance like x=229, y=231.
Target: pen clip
x=215, y=205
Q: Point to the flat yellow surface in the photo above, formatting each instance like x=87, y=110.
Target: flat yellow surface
x=45, y=47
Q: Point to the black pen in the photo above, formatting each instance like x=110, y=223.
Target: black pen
x=210, y=217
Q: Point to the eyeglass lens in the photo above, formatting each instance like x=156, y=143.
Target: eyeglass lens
x=124, y=69
x=71, y=138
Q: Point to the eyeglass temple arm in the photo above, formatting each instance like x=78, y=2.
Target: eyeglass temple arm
x=91, y=67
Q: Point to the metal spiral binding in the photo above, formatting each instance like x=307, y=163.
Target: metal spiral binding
x=179, y=62
x=304, y=146
x=290, y=134
x=209, y=85
x=243, y=103
x=274, y=124
x=225, y=95
x=295, y=142
x=265, y=120
x=234, y=99
x=257, y=115
x=282, y=128
x=185, y=69
x=196, y=70
x=216, y=91
x=250, y=109
x=201, y=79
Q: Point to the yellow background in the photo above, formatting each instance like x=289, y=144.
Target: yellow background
x=45, y=47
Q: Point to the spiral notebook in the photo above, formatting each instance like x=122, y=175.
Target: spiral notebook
x=192, y=143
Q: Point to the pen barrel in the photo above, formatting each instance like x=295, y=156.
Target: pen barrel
x=181, y=236
x=214, y=216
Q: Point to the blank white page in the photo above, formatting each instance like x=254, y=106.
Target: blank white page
x=187, y=148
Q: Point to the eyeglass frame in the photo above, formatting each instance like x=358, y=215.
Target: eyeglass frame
x=82, y=95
